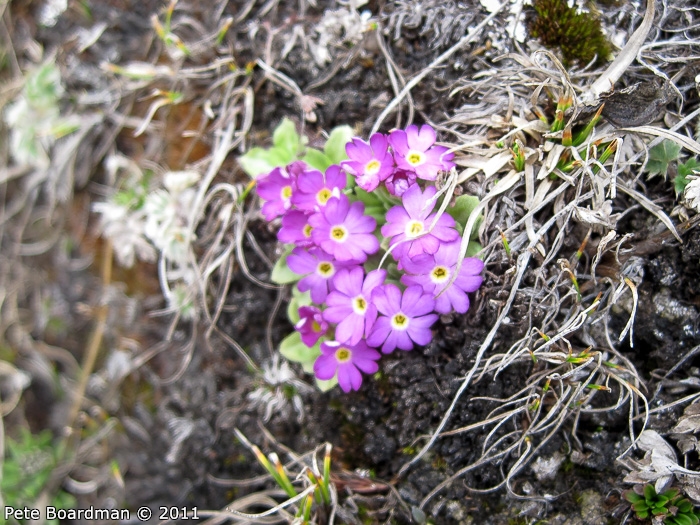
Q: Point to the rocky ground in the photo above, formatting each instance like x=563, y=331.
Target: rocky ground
x=142, y=401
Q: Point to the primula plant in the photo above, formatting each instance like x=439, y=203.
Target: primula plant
x=669, y=507
x=372, y=258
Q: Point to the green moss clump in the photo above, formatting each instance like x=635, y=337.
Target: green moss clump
x=578, y=36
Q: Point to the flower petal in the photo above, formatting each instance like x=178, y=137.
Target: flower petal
x=325, y=366
x=423, y=139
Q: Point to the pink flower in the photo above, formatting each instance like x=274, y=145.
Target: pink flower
x=433, y=272
x=311, y=325
x=276, y=188
x=370, y=163
x=343, y=230
x=414, y=151
x=399, y=182
x=314, y=188
x=295, y=229
x=318, y=267
x=346, y=361
x=406, y=320
x=350, y=304
x=408, y=225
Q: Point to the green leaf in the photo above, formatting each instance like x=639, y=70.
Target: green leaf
x=684, y=505
x=316, y=159
x=473, y=248
x=661, y=501
x=681, y=180
x=386, y=198
x=279, y=157
x=460, y=212
x=281, y=273
x=688, y=167
x=378, y=213
x=649, y=492
x=326, y=385
x=369, y=199
x=632, y=496
x=293, y=349
x=286, y=138
x=671, y=493
x=682, y=519
x=298, y=300
x=640, y=506
x=660, y=156
x=256, y=162
x=335, y=145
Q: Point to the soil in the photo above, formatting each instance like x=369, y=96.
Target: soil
x=175, y=443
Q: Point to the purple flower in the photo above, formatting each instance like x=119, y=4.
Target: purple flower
x=311, y=325
x=410, y=223
x=406, y=320
x=433, y=272
x=295, y=229
x=370, y=163
x=296, y=168
x=400, y=181
x=314, y=188
x=318, y=267
x=343, y=230
x=414, y=151
x=350, y=304
x=276, y=188
x=347, y=361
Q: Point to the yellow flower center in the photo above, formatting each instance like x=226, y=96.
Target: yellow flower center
x=286, y=193
x=359, y=305
x=325, y=269
x=415, y=158
x=399, y=322
x=315, y=326
x=339, y=233
x=440, y=274
x=413, y=229
x=307, y=231
x=372, y=167
x=323, y=196
x=343, y=355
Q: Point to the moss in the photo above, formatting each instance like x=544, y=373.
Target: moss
x=577, y=35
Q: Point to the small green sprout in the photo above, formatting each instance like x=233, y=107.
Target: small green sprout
x=225, y=26
x=582, y=135
x=563, y=103
x=506, y=245
x=669, y=507
x=518, y=151
x=165, y=34
x=318, y=483
x=564, y=265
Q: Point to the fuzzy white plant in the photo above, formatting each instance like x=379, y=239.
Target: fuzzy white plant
x=34, y=118
x=148, y=224
x=279, y=390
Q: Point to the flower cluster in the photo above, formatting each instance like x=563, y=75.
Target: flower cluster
x=381, y=199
